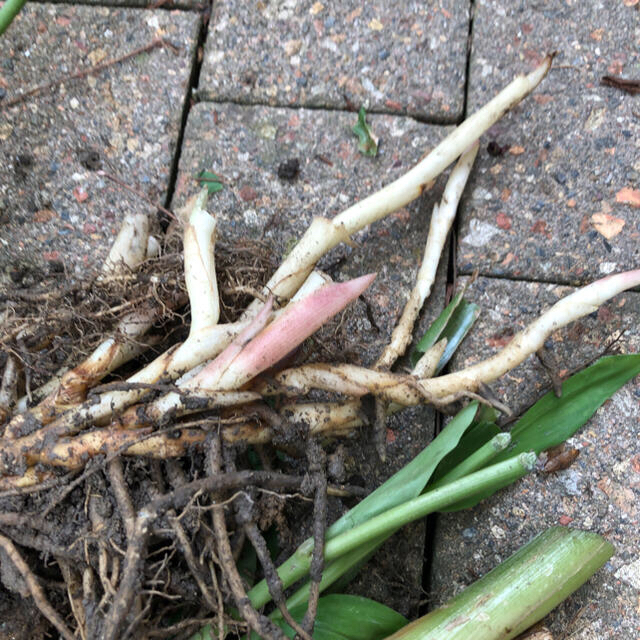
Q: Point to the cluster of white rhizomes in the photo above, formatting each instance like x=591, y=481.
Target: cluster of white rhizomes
x=236, y=353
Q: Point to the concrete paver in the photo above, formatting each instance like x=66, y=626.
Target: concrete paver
x=401, y=57
x=555, y=205
x=124, y=120
x=599, y=492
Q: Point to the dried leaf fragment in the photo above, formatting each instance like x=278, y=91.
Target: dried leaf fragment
x=627, y=195
x=607, y=225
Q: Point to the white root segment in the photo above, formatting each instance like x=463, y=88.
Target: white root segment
x=130, y=246
x=406, y=391
x=199, y=265
x=325, y=234
x=260, y=345
x=331, y=418
x=8, y=387
x=428, y=363
x=441, y=221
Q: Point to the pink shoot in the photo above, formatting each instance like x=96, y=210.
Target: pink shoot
x=298, y=321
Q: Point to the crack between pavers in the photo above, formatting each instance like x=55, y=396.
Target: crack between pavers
x=452, y=277
x=530, y=280
x=164, y=6
x=192, y=85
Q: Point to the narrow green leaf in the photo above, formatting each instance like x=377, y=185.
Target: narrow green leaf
x=367, y=142
x=477, y=460
x=457, y=328
x=435, y=330
x=210, y=180
x=412, y=478
x=347, y=617
x=478, y=434
x=453, y=324
x=552, y=420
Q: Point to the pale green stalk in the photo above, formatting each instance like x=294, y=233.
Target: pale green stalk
x=478, y=459
x=8, y=12
x=517, y=593
x=384, y=524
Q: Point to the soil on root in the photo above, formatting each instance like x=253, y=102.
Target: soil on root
x=131, y=546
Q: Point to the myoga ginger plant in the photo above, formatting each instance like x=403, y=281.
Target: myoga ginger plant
x=196, y=417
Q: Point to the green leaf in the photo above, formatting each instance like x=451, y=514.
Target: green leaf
x=406, y=484
x=457, y=328
x=367, y=142
x=210, y=180
x=412, y=478
x=552, y=420
x=454, y=324
x=347, y=617
x=479, y=434
x=437, y=327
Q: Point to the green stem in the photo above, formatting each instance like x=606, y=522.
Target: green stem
x=8, y=12
x=477, y=460
x=389, y=521
x=517, y=593
x=333, y=572
x=384, y=524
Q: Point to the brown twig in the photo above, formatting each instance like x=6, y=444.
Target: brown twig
x=274, y=583
x=629, y=86
x=380, y=428
x=136, y=549
x=317, y=459
x=39, y=598
x=73, y=583
x=120, y=491
x=157, y=42
x=169, y=632
x=263, y=626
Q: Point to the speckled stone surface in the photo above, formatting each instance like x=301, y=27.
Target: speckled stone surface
x=561, y=203
x=401, y=57
x=245, y=146
x=600, y=492
x=54, y=206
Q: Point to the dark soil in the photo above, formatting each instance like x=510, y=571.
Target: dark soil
x=73, y=529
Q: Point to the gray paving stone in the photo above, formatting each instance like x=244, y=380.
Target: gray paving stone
x=599, y=492
x=401, y=57
x=54, y=206
x=245, y=145
x=552, y=206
